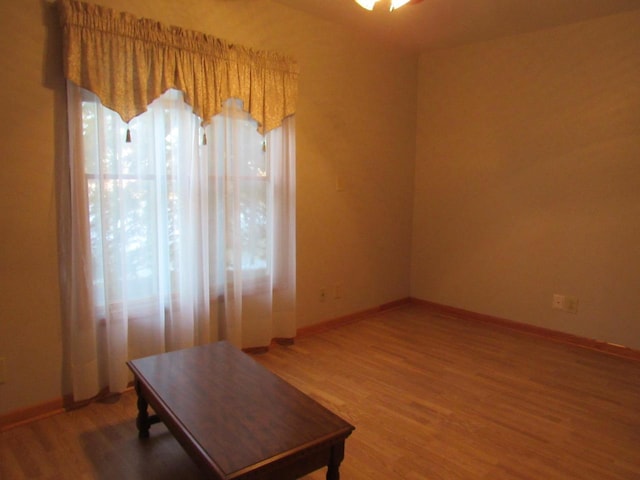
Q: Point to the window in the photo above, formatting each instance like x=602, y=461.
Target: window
x=188, y=228
x=144, y=195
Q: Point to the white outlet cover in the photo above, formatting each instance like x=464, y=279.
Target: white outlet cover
x=558, y=301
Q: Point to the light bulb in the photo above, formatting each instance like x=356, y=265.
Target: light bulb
x=368, y=4
x=397, y=4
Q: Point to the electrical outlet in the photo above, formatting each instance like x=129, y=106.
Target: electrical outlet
x=3, y=373
x=570, y=304
x=323, y=294
x=565, y=303
x=558, y=301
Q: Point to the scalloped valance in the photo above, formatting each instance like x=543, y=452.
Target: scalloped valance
x=128, y=62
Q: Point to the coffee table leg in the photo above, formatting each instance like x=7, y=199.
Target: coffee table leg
x=337, y=455
x=142, y=421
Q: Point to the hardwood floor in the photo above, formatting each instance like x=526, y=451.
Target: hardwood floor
x=431, y=398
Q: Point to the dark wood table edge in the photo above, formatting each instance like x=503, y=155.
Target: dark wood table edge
x=147, y=396
x=334, y=441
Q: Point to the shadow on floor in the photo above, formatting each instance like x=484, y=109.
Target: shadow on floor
x=116, y=452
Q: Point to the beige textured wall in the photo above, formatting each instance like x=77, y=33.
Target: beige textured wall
x=356, y=122
x=528, y=178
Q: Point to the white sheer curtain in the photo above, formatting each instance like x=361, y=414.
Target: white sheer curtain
x=182, y=236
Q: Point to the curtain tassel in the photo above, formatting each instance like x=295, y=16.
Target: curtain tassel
x=128, y=138
x=204, y=139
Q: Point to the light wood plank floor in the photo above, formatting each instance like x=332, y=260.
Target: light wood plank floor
x=431, y=398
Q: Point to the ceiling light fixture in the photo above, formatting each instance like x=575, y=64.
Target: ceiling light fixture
x=393, y=4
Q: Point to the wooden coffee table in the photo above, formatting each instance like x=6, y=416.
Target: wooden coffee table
x=236, y=419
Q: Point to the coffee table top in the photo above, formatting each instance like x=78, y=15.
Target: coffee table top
x=234, y=412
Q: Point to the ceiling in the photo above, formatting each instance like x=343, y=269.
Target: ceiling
x=434, y=24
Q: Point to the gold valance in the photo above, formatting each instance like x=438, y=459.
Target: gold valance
x=129, y=61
